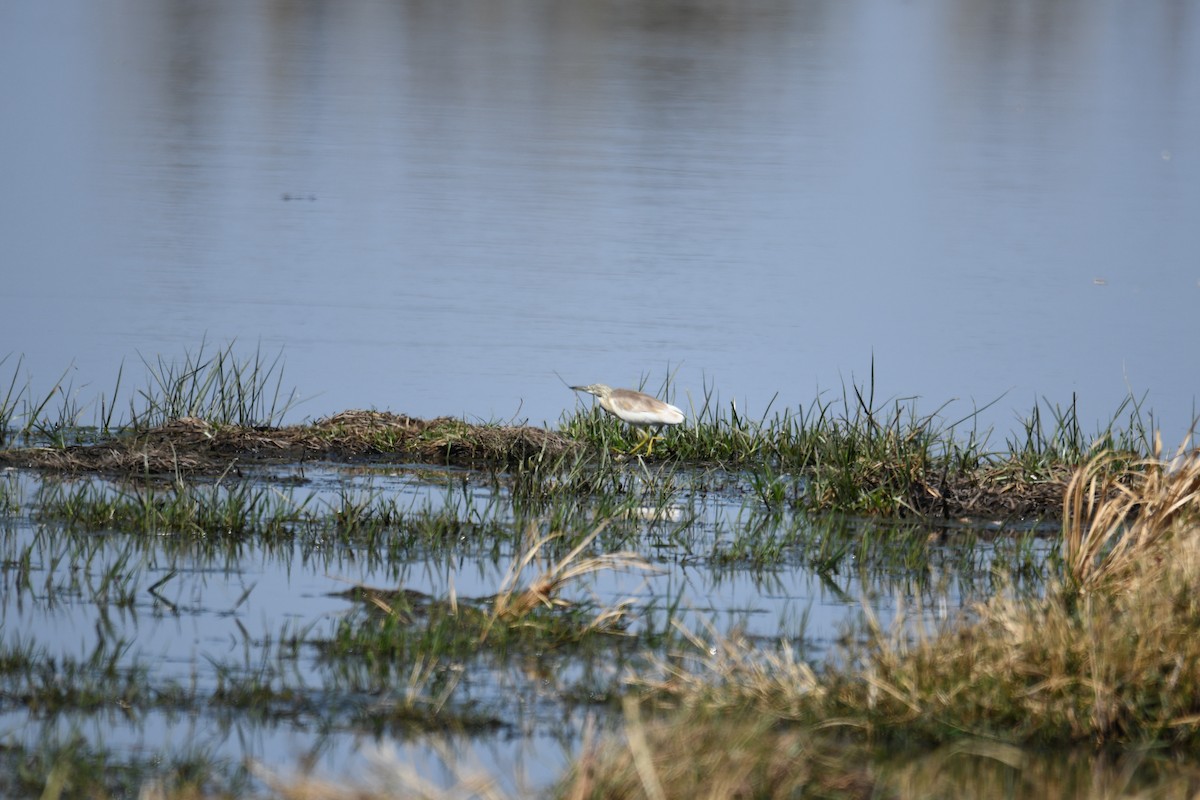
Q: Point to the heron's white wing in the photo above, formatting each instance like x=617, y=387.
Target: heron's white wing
x=637, y=408
x=668, y=416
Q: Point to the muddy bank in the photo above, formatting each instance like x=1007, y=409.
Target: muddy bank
x=192, y=445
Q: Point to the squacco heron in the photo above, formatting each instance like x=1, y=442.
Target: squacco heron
x=637, y=408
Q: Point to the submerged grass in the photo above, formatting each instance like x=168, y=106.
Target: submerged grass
x=70, y=766
x=223, y=516
x=403, y=663
x=236, y=509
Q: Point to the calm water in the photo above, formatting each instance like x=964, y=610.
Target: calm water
x=435, y=207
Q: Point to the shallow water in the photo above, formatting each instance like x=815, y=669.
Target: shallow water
x=201, y=612
x=434, y=210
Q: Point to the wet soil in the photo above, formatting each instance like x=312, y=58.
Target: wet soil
x=194, y=446
x=1004, y=492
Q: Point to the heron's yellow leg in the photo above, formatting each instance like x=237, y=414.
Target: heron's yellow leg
x=645, y=439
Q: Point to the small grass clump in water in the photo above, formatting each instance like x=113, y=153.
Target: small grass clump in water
x=236, y=511
x=444, y=640
x=531, y=617
x=72, y=767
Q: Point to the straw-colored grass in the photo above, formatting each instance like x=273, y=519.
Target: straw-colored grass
x=1116, y=514
x=703, y=756
x=512, y=603
x=388, y=776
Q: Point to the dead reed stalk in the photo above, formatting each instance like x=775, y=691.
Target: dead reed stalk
x=1116, y=514
x=513, y=603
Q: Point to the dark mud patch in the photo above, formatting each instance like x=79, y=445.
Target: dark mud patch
x=1002, y=493
x=191, y=445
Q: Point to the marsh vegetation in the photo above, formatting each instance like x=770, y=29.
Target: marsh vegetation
x=838, y=600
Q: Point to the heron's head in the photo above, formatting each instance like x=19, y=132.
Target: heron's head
x=598, y=389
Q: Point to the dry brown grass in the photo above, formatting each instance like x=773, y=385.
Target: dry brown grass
x=728, y=673
x=388, y=777
x=513, y=602
x=1118, y=662
x=702, y=756
x=1117, y=516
